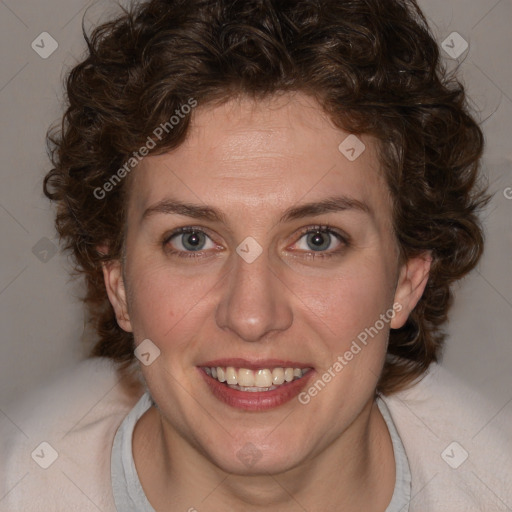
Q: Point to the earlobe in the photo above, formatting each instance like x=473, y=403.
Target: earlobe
x=410, y=287
x=114, y=284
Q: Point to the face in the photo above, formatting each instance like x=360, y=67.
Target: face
x=254, y=247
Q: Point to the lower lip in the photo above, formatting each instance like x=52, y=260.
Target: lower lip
x=256, y=400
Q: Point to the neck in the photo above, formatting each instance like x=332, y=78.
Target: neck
x=355, y=472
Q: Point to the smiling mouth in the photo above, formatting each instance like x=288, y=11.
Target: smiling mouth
x=264, y=379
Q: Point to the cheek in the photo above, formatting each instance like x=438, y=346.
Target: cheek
x=163, y=302
x=344, y=304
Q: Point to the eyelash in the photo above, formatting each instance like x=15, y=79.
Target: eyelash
x=324, y=228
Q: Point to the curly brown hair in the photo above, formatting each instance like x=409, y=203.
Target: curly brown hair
x=373, y=66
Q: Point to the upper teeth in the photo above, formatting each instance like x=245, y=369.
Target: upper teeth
x=263, y=378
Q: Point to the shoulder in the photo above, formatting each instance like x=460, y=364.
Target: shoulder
x=55, y=443
x=458, y=443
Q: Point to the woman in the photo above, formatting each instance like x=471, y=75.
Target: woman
x=270, y=202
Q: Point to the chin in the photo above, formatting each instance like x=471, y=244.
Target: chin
x=249, y=458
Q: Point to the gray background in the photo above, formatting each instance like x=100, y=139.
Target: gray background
x=42, y=320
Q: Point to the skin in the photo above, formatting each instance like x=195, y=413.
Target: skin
x=252, y=160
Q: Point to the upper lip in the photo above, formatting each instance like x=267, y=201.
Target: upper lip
x=254, y=364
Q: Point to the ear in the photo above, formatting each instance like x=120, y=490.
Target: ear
x=413, y=277
x=114, y=284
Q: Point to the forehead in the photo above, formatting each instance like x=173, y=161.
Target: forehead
x=262, y=155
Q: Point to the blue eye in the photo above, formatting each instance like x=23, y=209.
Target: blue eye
x=189, y=239
x=320, y=239
x=314, y=242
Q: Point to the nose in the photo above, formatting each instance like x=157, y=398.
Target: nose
x=254, y=302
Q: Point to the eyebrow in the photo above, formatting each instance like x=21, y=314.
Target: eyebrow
x=329, y=205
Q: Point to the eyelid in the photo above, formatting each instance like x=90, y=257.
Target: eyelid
x=185, y=229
